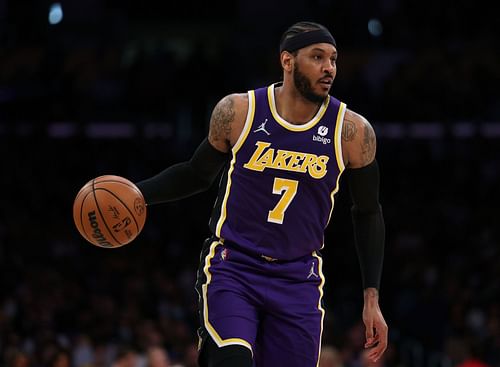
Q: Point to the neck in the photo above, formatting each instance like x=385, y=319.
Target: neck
x=292, y=105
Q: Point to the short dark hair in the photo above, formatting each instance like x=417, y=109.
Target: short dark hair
x=301, y=27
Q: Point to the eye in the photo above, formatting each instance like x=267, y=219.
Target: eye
x=317, y=57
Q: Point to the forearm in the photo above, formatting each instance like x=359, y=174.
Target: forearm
x=184, y=179
x=369, y=233
x=368, y=223
x=175, y=182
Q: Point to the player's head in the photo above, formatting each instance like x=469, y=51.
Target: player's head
x=308, y=54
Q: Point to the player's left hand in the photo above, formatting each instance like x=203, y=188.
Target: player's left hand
x=376, y=327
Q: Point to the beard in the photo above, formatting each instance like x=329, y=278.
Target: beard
x=304, y=87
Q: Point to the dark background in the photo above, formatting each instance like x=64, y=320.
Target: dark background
x=126, y=88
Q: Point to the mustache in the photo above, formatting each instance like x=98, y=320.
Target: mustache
x=326, y=77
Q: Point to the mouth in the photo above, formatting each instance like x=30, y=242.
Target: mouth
x=326, y=82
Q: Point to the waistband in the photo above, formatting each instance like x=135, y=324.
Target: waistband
x=256, y=254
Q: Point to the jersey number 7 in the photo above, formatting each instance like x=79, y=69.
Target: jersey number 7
x=288, y=188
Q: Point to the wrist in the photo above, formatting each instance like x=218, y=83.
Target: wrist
x=370, y=295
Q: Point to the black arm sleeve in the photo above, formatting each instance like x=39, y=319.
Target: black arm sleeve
x=368, y=222
x=185, y=179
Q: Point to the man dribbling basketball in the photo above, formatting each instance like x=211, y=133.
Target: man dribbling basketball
x=284, y=148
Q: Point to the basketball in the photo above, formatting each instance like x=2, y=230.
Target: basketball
x=109, y=211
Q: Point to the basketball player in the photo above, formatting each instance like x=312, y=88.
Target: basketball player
x=283, y=148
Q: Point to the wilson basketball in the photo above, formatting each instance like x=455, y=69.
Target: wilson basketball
x=109, y=211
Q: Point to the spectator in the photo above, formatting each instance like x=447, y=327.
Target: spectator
x=157, y=357
x=330, y=357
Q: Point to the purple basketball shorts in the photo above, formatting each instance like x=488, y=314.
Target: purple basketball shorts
x=271, y=307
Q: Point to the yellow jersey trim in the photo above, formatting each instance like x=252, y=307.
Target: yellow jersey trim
x=235, y=149
x=338, y=135
x=211, y=330
x=320, y=307
x=338, y=155
x=287, y=125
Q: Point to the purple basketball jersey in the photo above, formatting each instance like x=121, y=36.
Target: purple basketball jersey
x=278, y=192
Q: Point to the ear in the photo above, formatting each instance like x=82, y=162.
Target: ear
x=286, y=61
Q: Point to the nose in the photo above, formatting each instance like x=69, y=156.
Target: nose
x=329, y=66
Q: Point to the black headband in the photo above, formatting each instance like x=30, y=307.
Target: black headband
x=305, y=39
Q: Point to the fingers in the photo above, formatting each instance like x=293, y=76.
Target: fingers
x=369, y=333
x=379, y=344
x=371, y=340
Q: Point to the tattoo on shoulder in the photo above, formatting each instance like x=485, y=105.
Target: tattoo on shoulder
x=369, y=144
x=222, y=118
x=348, y=130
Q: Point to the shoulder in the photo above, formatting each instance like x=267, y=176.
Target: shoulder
x=353, y=123
x=240, y=102
x=232, y=104
x=227, y=120
x=358, y=140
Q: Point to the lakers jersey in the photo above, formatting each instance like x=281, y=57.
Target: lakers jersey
x=277, y=195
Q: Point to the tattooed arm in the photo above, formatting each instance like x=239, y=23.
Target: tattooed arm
x=359, y=147
x=358, y=141
x=227, y=120
x=197, y=174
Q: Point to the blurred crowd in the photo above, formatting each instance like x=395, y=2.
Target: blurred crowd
x=62, y=299
x=66, y=303
x=428, y=63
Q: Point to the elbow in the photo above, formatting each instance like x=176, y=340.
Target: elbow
x=367, y=208
x=205, y=183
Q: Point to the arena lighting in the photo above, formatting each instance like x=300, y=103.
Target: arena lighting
x=55, y=13
x=375, y=27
